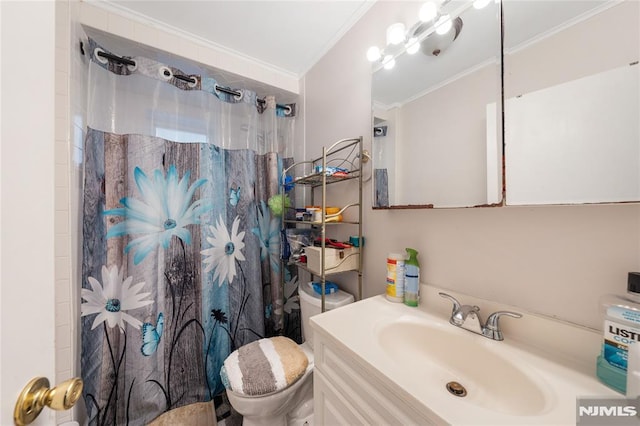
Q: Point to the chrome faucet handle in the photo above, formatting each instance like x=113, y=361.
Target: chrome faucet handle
x=456, y=304
x=491, y=328
x=459, y=314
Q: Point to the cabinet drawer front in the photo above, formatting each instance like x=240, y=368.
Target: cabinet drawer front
x=374, y=401
x=329, y=407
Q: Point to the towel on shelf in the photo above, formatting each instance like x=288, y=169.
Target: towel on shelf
x=264, y=366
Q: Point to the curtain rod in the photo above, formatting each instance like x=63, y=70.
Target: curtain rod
x=191, y=80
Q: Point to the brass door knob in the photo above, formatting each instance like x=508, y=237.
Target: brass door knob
x=37, y=394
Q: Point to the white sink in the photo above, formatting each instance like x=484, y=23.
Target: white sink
x=534, y=376
x=441, y=353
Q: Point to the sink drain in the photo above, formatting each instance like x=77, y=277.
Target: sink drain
x=456, y=389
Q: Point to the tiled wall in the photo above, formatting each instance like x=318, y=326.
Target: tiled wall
x=69, y=135
x=63, y=310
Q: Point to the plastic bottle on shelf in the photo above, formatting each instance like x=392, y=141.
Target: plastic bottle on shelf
x=395, y=277
x=412, y=279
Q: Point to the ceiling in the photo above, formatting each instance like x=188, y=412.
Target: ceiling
x=289, y=36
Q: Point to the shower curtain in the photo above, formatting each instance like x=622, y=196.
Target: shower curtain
x=180, y=250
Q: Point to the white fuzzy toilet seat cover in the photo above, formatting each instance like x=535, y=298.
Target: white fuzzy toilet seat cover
x=264, y=366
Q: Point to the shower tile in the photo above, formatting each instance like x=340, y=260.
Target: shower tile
x=61, y=376
x=62, y=129
x=63, y=360
x=62, y=198
x=63, y=336
x=61, y=221
x=62, y=58
x=62, y=82
x=61, y=244
x=62, y=109
x=63, y=291
x=62, y=268
x=63, y=416
x=62, y=176
x=61, y=153
x=63, y=314
x=63, y=31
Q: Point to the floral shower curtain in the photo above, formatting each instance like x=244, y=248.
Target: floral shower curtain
x=180, y=261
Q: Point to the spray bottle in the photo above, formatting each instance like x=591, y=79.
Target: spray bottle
x=411, y=279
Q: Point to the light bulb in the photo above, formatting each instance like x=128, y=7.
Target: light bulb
x=428, y=11
x=412, y=46
x=395, y=33
x=479, y=4
x=373, y=54
x=389, y=62
x=443, y=25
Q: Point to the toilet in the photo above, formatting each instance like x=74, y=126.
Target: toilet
x=293, y=404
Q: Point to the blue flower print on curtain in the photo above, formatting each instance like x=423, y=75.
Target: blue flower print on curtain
x=191, y=222
x=112, y=299
x=111, y=302
x=165, y=211
x=225, y=251
x=292, y=301
x=268, y=233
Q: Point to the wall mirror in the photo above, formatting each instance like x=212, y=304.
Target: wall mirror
x=572, y=117
x=437, y=113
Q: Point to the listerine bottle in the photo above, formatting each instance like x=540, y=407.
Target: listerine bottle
x=621, y=330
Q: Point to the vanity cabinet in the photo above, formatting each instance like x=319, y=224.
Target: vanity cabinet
x=348, y=392
x=340, y=162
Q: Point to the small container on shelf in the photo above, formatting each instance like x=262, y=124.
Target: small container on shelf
x=335, y=260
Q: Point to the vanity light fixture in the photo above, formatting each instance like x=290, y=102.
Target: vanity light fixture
x=374, y=54
x=443, y=24
x=479, y=4
x=396, y=33
x=428, y=11
x=388, y=62
x=412, y=46
x=431, y=19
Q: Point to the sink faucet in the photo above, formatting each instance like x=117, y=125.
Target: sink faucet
x=466, y=316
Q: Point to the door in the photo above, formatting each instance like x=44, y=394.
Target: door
x=27, y=211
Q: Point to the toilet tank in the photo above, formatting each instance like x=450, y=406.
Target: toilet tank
x=311, y=302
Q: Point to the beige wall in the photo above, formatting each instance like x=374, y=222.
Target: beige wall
x=552, y=260
x=608, y=40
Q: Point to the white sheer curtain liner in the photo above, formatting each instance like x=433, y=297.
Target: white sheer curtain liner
x=137, y=104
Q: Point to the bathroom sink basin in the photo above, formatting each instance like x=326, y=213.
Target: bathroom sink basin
x=439, y=354
x=409, y=355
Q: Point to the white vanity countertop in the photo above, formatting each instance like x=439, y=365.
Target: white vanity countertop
x=532, y=377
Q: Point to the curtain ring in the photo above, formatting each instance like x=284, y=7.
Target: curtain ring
x=134, y=67
x=99, y=58
x=165, y=73
x=287, y=110
x=239, y=96
x=193, y=83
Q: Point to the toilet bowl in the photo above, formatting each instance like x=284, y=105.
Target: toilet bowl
x=293, y=405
